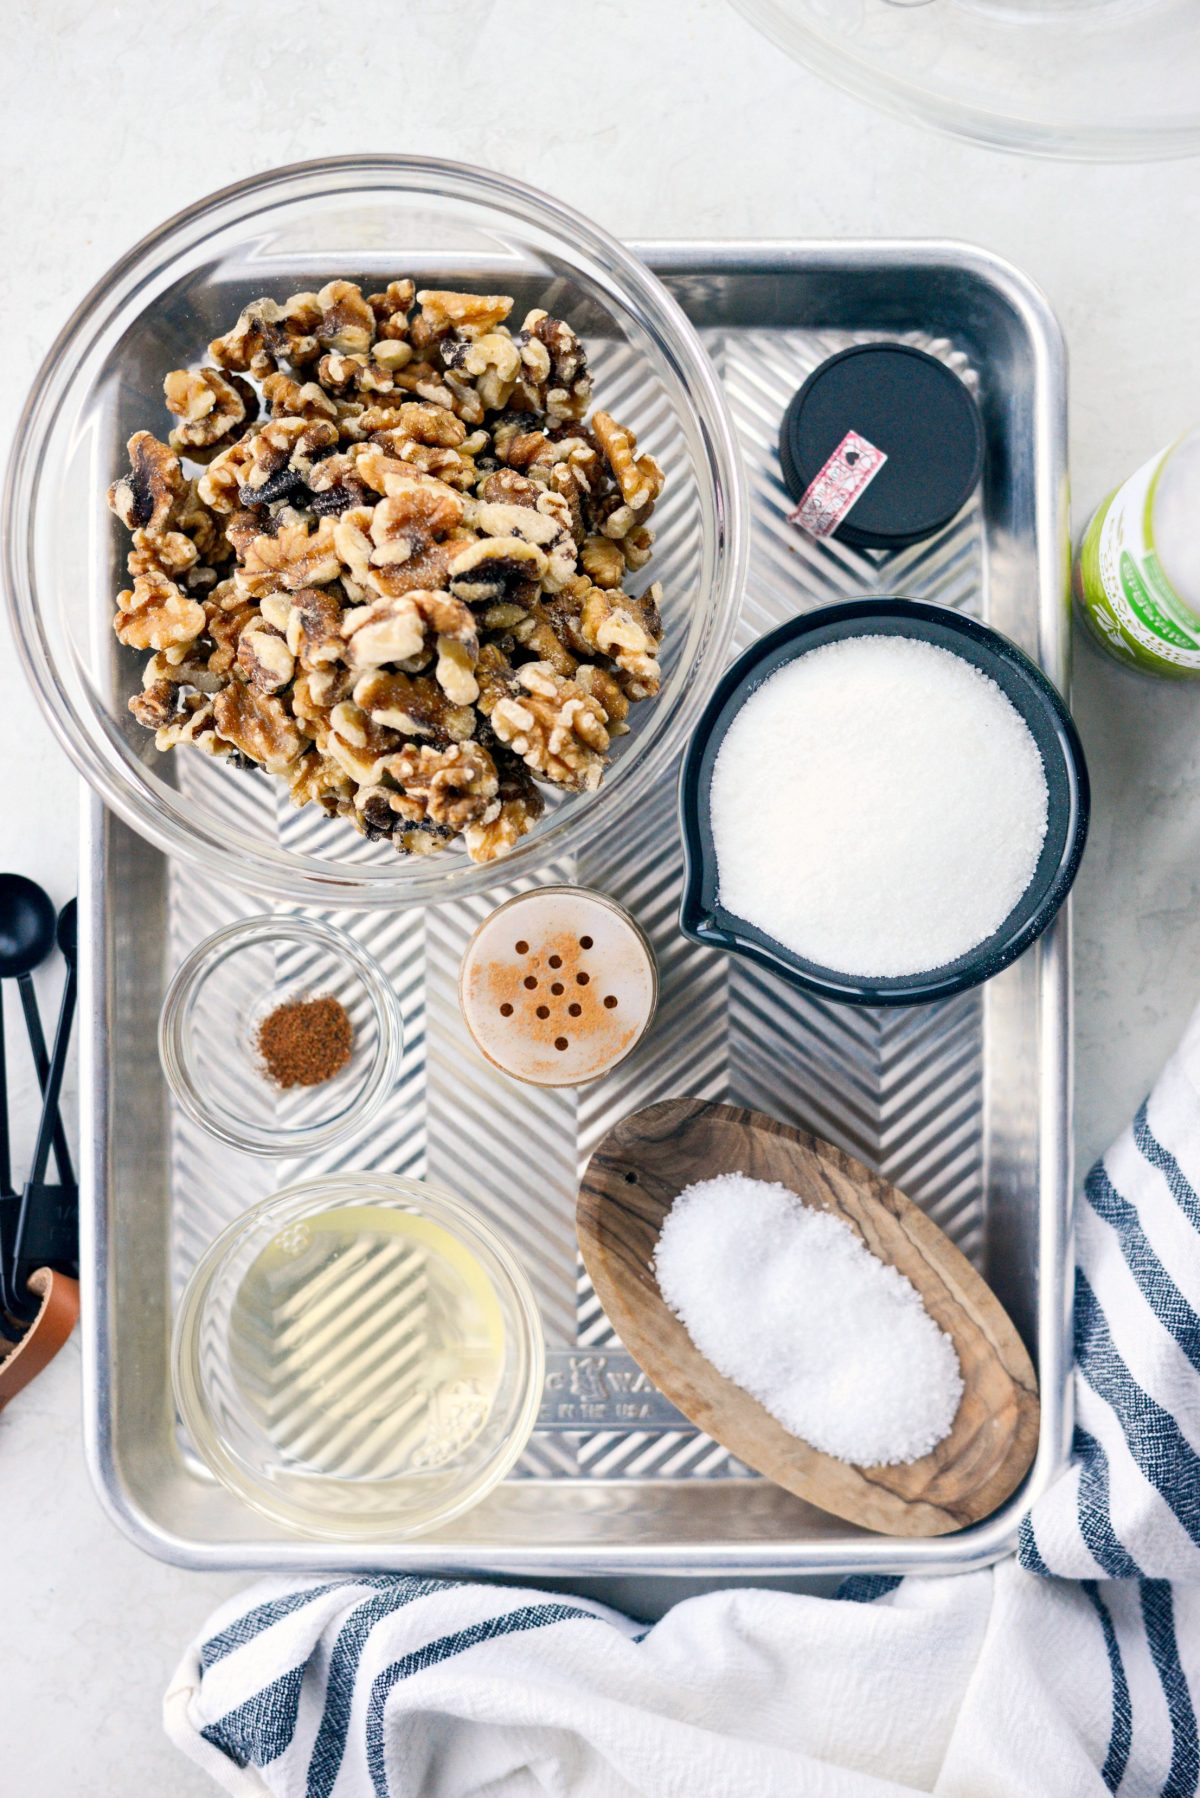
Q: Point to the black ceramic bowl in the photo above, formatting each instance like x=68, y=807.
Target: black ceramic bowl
x=702, y=916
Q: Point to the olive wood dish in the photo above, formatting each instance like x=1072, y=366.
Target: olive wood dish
x=631, y=1181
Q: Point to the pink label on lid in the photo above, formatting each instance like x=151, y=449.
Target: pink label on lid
x=829, y=496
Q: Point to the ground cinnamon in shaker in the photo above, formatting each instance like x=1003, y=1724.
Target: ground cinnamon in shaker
x=557, y=986
x=306, y=1041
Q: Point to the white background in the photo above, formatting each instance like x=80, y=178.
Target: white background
x=662, y=118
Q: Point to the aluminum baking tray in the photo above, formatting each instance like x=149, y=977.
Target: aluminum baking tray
x=966, y=1104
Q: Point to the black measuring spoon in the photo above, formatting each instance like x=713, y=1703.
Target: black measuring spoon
x=26, y=939
x=28, y=930
x=48, y=1222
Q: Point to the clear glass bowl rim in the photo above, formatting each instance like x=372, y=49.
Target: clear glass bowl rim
x=292, y=1202
x=205, y=958
x=272, y=872
x=995, y=130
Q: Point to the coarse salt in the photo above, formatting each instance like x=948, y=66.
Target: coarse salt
x=878, y=807
x=788, y=1303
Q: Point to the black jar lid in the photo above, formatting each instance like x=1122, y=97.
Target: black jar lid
x=913, y=408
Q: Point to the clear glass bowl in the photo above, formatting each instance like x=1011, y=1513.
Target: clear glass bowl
x=1101, y=80
x=374, y=218
x=208, y=1034
x=359, y=1357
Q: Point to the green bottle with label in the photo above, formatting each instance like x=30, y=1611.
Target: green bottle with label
x=1137, y=574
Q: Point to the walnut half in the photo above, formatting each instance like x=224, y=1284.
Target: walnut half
x=555, y=726
x=258, y=725
x=209, y=405
x=629, y=631
x=454, y=786
x=521, y=805
x=154, y=614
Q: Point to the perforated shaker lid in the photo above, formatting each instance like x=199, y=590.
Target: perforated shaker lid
x=557, y=986
x=913, y=408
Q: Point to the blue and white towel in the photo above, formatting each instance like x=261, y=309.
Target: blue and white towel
x=1069, y=1670
x=1130, y=1506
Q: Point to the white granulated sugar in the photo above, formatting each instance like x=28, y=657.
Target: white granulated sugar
x=788, y=1303
x=878, y=807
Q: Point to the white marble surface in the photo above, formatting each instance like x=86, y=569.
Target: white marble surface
x=660, y=118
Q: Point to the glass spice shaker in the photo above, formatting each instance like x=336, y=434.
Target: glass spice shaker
x=557, y=986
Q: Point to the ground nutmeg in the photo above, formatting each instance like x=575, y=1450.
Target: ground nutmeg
x=306, y=1041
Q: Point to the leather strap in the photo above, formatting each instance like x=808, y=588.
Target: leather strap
x=57, y=1312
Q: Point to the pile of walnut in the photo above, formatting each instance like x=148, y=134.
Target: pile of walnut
x=397, y=580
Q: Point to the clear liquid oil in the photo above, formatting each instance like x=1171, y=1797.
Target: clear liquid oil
x=367, y=1344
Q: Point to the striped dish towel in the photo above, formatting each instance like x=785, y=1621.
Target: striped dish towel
x=1070, y=1669
x=1130, y=1506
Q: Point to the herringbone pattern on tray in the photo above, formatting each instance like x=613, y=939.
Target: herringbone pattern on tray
x=901, y=1089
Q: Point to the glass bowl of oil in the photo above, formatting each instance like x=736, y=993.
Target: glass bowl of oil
x=359, y=1356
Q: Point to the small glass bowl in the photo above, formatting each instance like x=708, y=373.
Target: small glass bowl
x=208, y=1034
x=359, y=1357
